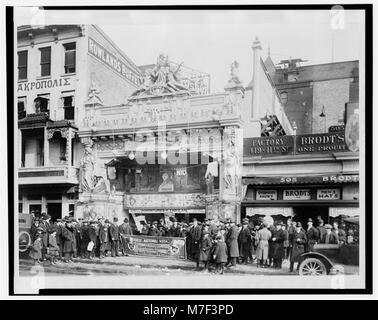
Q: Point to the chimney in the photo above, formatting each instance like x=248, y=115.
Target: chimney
x=256, y=47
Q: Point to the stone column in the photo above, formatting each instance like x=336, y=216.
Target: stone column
x=69, y=146
x=231, y=172
x=256, y=47
x=46, y=149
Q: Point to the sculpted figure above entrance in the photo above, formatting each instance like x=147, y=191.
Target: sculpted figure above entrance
x=163, y=78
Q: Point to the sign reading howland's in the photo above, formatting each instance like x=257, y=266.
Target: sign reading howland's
x=290, y=145
x=112, y=61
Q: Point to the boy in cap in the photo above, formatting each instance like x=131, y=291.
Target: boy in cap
x=220, y=254
x=329, y=236
x=124, y=231
x=205, y=247
x=53, y=248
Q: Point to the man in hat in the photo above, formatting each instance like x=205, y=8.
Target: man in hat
x=299, y=246
x=329, y=236
x=321, y=228
x=104, y=238
x=124, y=231
x=84, y=238
x=68, y=240
x=154, y=232
x=312, y=235
x=45, y=226
x=339, y=232
x=145, y=229
x=114, y=237
x=93, y=233
x=196, y=235
x=263, y=236
x=278, y=246
x=232, y=244
x=245, y=243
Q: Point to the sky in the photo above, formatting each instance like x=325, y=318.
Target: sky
x=210, y=41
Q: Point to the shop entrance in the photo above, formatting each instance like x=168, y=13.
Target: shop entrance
x=302, y=213
x=54, y=210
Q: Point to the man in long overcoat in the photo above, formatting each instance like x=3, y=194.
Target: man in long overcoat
x=245, y=242
x=232, y=244
x=104, y=238
x=278, y=248
x=299, y=246
x=205, y=247
x=263, y=236
x=45, y=226
x=114, y=237
x=312, y=235
x=196, y=235
x=68, y=237
x=93, y=233
x=124, y=231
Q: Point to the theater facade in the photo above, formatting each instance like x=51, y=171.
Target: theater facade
x=164, y=152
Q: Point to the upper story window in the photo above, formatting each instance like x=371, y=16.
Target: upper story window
x=70, y=57
x=21, y=106
x=42, y=104
x=69, y=105
x=45, y=61
x=283, y=96
x=22, y=65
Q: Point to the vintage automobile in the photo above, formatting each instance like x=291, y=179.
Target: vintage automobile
x=329, y=258
x=24, y=235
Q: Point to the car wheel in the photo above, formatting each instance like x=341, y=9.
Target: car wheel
x=312, y=267
x=24, y=241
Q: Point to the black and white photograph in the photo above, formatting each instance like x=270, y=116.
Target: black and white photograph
x=215, y=148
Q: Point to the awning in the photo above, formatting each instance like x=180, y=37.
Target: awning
x=294, y=180
x=340, y=211
x=269, y=211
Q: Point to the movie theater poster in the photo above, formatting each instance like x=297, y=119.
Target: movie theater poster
x=164, y=247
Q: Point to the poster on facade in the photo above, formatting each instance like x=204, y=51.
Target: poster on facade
x=163, y=247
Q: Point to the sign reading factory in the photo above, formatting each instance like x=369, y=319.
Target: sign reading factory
x=43, y=84
x=290, y=145
x=98, y=51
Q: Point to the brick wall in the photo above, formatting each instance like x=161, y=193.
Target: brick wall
x=333, y=94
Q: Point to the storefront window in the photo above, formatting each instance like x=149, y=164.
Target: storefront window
x=162, y=179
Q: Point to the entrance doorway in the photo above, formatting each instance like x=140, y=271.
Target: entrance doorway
x=54, y=210
x=302, y=213
x=36, y=208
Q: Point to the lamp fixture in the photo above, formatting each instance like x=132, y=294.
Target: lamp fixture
x=322, y=115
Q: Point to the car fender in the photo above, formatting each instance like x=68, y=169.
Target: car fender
x=328, y=263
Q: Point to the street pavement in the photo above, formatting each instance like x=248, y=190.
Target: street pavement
x=139, y=265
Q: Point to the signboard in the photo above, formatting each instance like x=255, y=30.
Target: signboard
x=297, y=194
x=339, y=128
x=330, y=179
x=266, y=195
x=165, y=247
x=328, y=194
x=109, y=59
x=173, y=200
x=167, y=211
x=268, y=146
x=43, y=84
x=320, y=143
x=291, y=145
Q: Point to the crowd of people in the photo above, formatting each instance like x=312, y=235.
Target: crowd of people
x=212, y=244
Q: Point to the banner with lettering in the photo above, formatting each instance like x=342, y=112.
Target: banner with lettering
x=165, y=247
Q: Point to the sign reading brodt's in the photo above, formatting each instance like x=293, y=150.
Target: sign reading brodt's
x=156, y=246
